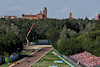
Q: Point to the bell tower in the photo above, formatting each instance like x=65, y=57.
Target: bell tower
x=45, y=12
x=70, y=16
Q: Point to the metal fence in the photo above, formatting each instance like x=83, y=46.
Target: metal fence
x=70, y=60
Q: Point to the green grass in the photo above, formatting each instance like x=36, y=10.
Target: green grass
x=25, y=53
x=48, y=60
x=6, y=64
x=50, y=53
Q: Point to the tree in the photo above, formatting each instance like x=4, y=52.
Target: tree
x=54, y=38
x=63, y=37
x=71, y=32
x=86, y=18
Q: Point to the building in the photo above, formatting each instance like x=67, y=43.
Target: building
x=92, y=18
x=38, y=16
x=14, y=56
x=70, y=16
x=98, y=17
x=6, y=17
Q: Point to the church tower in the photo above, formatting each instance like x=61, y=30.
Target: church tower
x=70, y=16
x=45, y=12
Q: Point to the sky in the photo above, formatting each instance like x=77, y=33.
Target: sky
x=59, y=9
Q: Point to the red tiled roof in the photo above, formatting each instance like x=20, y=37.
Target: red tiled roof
x=71, y=18
x=28, y=15
x=39, y=14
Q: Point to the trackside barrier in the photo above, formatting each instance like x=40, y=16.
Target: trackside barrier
x=43, y=44
x=53, y=66
x=11, y=65
x=63, y=59
x=53, y=52
x=70, y=60
x=39, y=49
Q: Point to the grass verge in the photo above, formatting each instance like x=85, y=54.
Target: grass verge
x=48, y=60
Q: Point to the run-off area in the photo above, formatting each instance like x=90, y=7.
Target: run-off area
x=50, y=60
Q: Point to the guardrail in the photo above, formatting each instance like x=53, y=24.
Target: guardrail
x=70, y=60
x=63, y=59
x=11, y=65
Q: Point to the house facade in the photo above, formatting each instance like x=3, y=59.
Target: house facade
x=98, y=17
x=6, y=17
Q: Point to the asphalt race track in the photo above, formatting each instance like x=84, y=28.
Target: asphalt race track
x=33, y=58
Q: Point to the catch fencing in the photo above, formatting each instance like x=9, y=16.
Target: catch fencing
x=70, y=60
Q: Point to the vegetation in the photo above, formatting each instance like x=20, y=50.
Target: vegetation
x=49, y=58
x=67, y=36
x=22, y=56
x=6, y=64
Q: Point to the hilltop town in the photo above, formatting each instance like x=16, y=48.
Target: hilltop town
x=41, y=16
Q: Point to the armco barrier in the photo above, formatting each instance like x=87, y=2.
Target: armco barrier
x=70, y=60
x=43, y=44
x=63, y=59
x=11, y=65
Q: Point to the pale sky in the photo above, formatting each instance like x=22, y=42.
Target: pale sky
x=59, y=9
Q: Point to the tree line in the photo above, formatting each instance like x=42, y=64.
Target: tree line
x=67, y=36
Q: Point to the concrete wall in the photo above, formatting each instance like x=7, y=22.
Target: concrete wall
x=70, y=60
